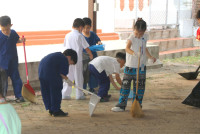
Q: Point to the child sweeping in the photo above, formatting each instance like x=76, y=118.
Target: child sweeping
x=136, y=41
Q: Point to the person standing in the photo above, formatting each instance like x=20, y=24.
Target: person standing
x=76, y=41
x=92, y=40
x=8, y=55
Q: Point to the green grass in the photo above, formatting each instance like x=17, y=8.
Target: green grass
x=192, y=60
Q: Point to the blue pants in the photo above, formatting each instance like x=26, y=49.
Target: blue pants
x=129, y=75
x=13, y=73
x=51, y=94
x=103, y=80
x=93, y=82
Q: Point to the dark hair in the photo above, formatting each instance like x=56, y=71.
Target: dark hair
x=198, y=14
x=72, y=53
x=140, y=25
x=5, y=20
x=121, y=56
x=87, y=21
x=78, y=22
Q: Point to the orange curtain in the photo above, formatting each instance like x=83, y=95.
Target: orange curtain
x=131, y=5
x=141, y=2
x=122, y=5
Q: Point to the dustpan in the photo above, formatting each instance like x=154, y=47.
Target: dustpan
x=27, y=91
x=94, y=100
x=190, y=75
x=194, y=98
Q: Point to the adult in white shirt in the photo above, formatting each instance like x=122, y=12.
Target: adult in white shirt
x=102, y=68
x=76, y=41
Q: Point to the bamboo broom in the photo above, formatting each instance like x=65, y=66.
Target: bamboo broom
x=136, y=110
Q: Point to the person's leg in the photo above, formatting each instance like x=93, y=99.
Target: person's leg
x=141, y=85
x=86, y=60
x=15, y=77
x=93, y=82
x=3, y=81
x=45, y=90
x=125, y=89
x=94, y=73
x=56, y=95
x=66, y=91
x=79, y=80
x=104, y=84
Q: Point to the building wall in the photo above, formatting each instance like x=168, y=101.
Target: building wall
x=45, y=15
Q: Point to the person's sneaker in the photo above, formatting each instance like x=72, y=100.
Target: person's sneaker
x=81, y=97
x=104, y=99
x=60, y=113
x=91, y=90
x=118, y=109
x=66, y=98
x=109, y=95
x=20, y=100
x=50, y=112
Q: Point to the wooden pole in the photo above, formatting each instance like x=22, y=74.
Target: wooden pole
x=92, y=14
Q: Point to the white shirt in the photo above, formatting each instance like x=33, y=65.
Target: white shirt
x=109, y=64
x=76, y=41
x=136, y=43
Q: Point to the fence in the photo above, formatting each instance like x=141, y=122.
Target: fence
x=157, y=13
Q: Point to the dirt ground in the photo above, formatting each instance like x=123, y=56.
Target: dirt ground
x=164, y=112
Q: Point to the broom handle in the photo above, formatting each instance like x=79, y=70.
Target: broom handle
x=138, y=73
x=83, y=90
x=197, y=69
x=25, y=59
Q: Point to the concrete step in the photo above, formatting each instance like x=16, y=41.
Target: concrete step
x=172, y=43
x=163, y=34
x=153, y=34
x=57, y=37
x=172, y=54
x=34, y=33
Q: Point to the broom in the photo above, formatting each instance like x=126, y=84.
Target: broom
x=27, y=91
x=194, y=98
x=136, y=110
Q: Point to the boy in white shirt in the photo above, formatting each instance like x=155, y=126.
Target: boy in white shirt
x=102, y=68
x=76, y=41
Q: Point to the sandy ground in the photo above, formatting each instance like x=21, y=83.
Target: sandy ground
x=164, y=112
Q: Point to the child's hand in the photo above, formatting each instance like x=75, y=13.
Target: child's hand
x=91, y=57
x=69, y=82
x=118, y=88
x=136, y=54
x=23, y=39
x=154, y=59
x=99, y=43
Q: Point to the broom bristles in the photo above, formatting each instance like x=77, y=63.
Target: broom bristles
x=136, y=110
x=28, y=95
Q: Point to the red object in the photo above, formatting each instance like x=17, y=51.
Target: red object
x=141, y=4
x=122, y=5
x=131, y=5
x=27, y=85
x=198, y=34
